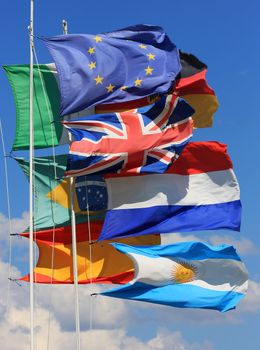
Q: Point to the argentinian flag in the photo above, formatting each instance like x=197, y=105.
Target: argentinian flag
x=189, y=274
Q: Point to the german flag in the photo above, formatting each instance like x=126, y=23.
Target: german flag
x=107, y=265
x=191, y=85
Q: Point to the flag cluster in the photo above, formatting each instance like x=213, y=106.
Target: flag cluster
x=136, y=173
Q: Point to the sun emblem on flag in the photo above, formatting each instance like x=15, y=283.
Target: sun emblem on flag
x=183, y=272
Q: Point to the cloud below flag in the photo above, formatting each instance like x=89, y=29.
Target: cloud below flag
x=198, y=192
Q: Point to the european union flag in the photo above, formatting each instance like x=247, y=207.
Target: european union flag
x=114, y=67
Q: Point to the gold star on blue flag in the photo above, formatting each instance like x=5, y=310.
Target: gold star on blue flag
x=141, y=58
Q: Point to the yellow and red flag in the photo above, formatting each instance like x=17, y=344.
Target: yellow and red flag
x=107, y=265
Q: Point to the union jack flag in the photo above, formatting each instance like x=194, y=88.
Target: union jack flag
x=146, y=140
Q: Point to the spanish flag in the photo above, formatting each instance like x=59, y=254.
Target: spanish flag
x=99, y=262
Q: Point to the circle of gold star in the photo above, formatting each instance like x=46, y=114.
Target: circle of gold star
x=110, y=88
x=91, y=50
x=99, y=80
x=138, y=82
x=149, y=70
x=98, y=39
x=150, y=56
x=142, y=46
x=92, y=65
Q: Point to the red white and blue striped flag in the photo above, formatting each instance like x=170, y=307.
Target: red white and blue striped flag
x=139, y=141
x=199, y=192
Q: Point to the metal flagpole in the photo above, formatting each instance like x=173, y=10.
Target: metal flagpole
x=31, y=199
x=75, y=267
x=74, y=240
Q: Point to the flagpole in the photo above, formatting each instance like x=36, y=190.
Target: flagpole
x=31, y=199
x=74, y=239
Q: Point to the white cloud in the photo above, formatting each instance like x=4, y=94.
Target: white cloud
x=119, y=340
x=17, y=225
x=15, y=330
x=174, y=341
x=243, y=245
x=60, y=299
x=251, y=303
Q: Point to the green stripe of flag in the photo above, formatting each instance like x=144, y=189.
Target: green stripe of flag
x=47, y=129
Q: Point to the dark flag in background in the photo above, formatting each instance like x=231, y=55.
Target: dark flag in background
x=193, y=87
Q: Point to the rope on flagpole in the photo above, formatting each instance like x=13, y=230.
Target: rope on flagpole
x=90, y=261
x=9, y=216
x=31, y=199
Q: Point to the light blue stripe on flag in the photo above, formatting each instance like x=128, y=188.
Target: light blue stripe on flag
x=186, y=250
x=186, y=275
x=183, y=296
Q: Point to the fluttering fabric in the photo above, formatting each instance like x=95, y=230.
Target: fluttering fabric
x=185, y=275
x=139, y=141
x=198, y=192
x=192, y=85
x=119, y=66
x=52, y=194
x=98, y=263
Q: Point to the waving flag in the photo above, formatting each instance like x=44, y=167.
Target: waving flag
x=185, y=275
x=192, y=85
x=130, y=141
x=106, y=264
x=199, y=192
x=52, y=199
x=48, y=131
x=46, y=104
x=120, y=66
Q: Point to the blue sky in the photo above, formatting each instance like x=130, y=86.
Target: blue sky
x=223, y=34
